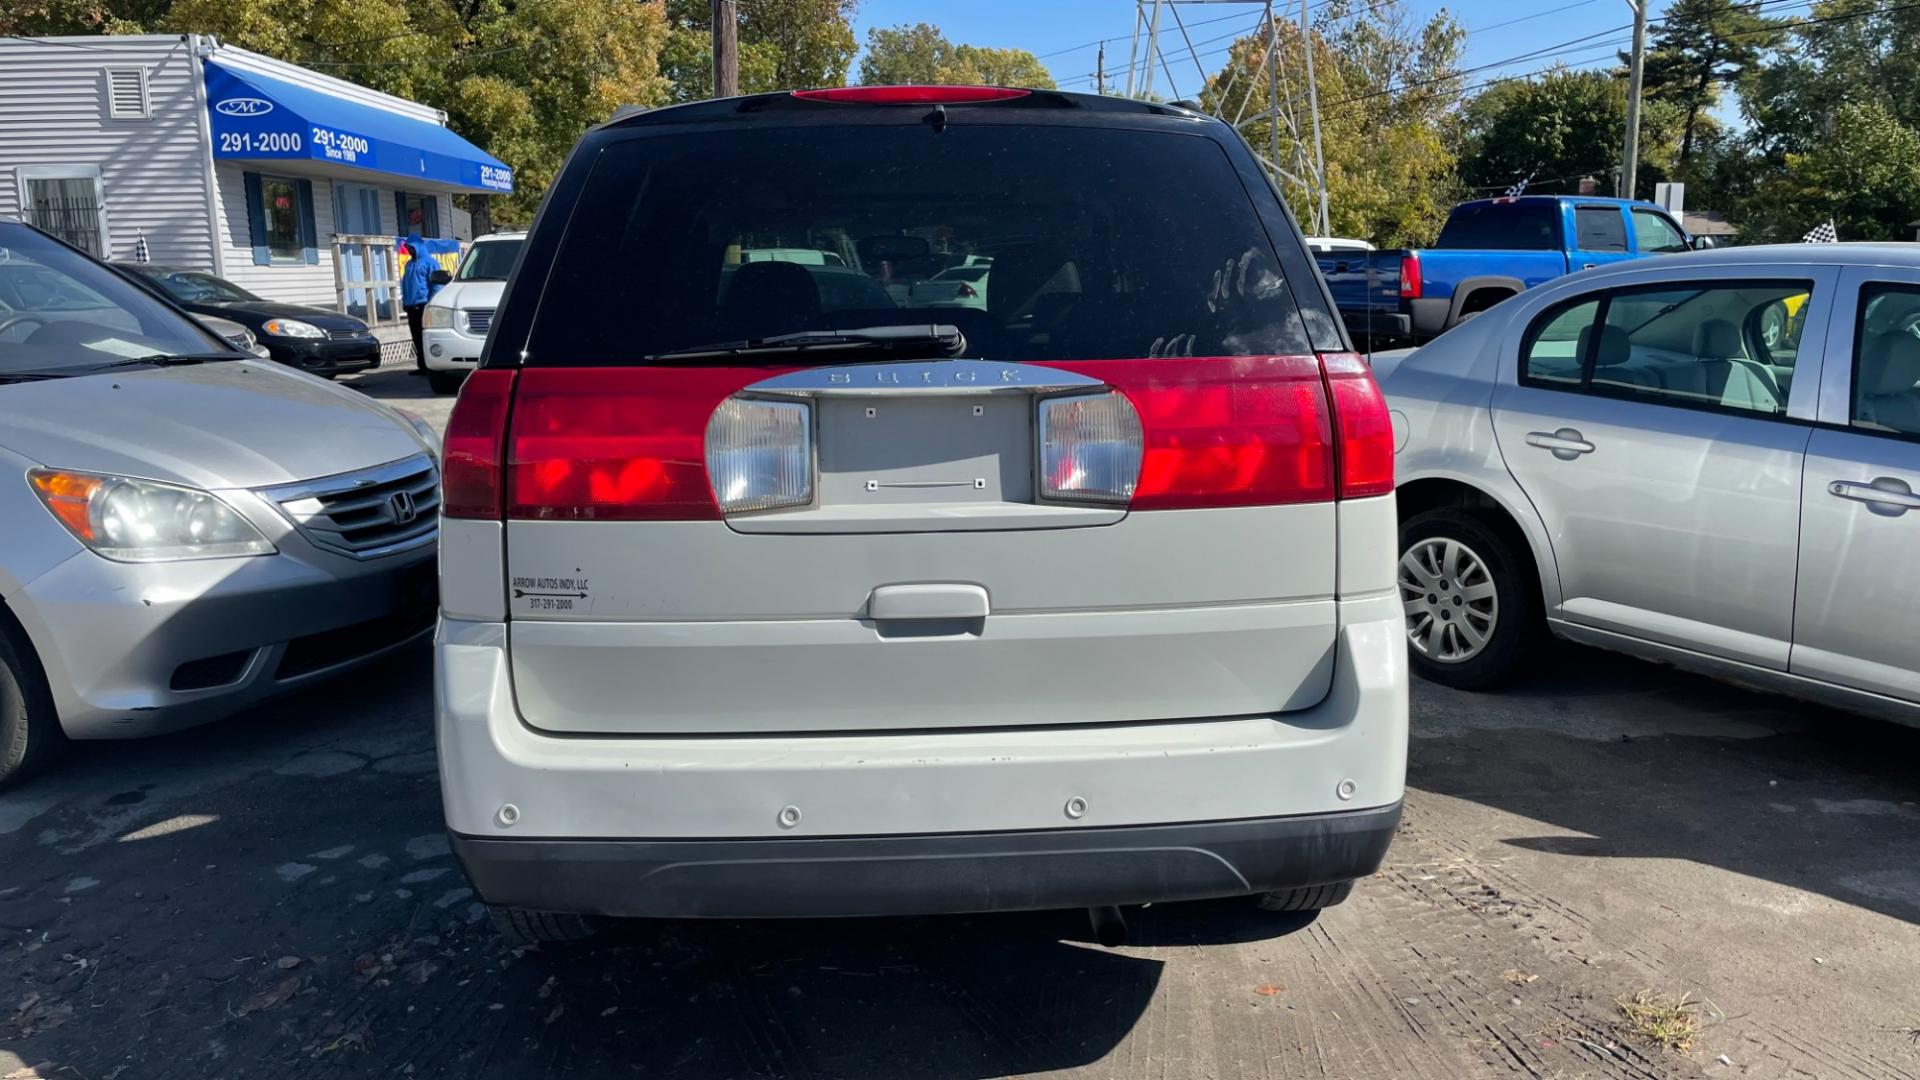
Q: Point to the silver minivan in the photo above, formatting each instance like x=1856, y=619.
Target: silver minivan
x=767, y=593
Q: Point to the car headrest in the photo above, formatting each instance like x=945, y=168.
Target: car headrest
x=1717, y=339
x=1615, y=347
x=1891, y=364
x=1018, y=276
x=770, y=298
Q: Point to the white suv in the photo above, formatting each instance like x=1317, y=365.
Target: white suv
x=764, y=595
x=457, y=318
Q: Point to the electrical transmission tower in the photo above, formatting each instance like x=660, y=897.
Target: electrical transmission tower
x=1306, y=167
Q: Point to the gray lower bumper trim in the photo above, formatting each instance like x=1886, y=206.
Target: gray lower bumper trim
x=945, y=873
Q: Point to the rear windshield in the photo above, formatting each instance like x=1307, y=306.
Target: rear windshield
x=1502, y=227
x=1071, y=244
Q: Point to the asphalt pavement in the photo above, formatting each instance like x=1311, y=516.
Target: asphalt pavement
x=271, y=896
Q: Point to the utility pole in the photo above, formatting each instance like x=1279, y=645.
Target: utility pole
x=1313, y=104
x=1100, y=70
x=1630, y=162
x=1153, y=50
x=726, y=49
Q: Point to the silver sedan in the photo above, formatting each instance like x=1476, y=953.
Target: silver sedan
x=187, y=530
x=1710, y=460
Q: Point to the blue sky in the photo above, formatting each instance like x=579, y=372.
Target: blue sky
x=1500, y=31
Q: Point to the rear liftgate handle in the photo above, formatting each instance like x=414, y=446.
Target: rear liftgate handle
x=1886, y=495
x=924, y=610
x=1565, y=443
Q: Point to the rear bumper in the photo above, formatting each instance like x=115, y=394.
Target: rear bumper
x=939, y=874
x=1379, y=324
x=904, y=783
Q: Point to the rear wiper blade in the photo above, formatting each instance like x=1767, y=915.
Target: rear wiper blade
x=168, y=360
x=925, y=340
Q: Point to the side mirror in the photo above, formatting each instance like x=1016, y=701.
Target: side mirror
x=1700, y=243
x=440, y=277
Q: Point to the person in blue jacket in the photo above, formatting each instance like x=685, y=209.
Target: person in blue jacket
x=416, y=288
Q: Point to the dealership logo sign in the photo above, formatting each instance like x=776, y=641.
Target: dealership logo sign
x=244, y=106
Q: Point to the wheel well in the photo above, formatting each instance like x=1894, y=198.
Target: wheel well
x=1481, y=299
x=16, y=636
x=1420, y=496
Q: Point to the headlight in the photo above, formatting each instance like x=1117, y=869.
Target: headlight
x=438, y=318
x=424, y=430
x=292, y=328
x=131, y=520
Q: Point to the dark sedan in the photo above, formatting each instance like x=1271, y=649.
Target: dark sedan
x=309, y=338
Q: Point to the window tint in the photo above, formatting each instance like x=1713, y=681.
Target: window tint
x=1653, y=233
x=1503, y=226
x=1599, y=228
x=1693, y=345
x=1557, y=343
x=1886, y=360
x=682, y=240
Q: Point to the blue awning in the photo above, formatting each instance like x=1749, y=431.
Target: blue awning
x=256, y=117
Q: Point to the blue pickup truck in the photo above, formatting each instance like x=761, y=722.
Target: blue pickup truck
x=1489, y=250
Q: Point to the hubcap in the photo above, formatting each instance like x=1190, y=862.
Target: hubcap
x=1450, y=600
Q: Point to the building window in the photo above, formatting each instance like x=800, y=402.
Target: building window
x=127, y=94
x=65, y=201
x=280, y=200
x=418, y=214
x=280, y=218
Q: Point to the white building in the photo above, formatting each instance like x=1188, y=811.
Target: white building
x=291, y=183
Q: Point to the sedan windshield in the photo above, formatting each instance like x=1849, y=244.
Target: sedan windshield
x=194, y=287
x=491, y=261
x=61, y=313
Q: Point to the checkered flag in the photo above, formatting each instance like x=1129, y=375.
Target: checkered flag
x=1822, y=234
x=140, y=252
x=1520, y=188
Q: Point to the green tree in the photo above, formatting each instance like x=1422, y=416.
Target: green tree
x=784, y=45
x=1556, y=128
x=921, y=55
x=1387, y=86
x=1865, y=177
x=1842, y=51
x=1700, y=47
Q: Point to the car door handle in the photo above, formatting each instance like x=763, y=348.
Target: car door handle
x=1885, y=491
x=927, y=601
x=1565, y=443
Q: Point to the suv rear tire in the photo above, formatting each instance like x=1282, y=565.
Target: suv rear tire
x=29, y=732
x=1515, y=601
x=521, y=926
x=1312, y=898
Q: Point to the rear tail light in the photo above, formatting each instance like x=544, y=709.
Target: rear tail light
x=1411, y=286
x=472, y=455
x=1090, y=449
x=912, y=95
x=1362, y=425
x=615, y=444
x=1226, y=431
x=760, y=454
